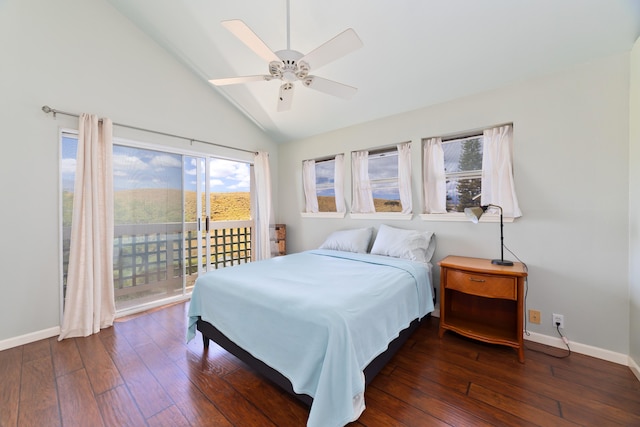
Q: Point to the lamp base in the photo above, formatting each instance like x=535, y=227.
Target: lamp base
x=504, y=262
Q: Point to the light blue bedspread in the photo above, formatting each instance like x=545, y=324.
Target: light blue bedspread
x=318, y=317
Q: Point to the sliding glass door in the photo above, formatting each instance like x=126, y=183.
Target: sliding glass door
x=176, y=216
x=218, y=221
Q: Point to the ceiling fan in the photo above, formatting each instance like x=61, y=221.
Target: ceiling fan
x=290, y=66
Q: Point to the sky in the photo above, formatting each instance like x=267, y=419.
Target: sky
x=136, y=168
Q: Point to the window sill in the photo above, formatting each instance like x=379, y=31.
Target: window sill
x=461, y=217
x=322, y=214
x=382, y=215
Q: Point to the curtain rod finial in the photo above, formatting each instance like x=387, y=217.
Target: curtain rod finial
x=47, y=109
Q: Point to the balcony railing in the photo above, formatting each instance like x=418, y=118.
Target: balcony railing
x=150, y=260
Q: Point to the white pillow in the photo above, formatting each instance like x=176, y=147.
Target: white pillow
x=356, y=240
x=400, y=243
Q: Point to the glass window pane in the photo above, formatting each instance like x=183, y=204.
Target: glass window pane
x=463, y=170
x=148, y=215
x=230, y=185
x=325, y=185
x=383, y=174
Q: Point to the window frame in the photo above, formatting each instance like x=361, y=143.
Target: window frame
x=381, y=215
x=488, y=217
x=330, y=214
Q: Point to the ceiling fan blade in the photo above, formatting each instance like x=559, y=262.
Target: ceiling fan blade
x=330, y=87
x=342, y=44
x=248, y=37
x=286, y=97
x=237, y=80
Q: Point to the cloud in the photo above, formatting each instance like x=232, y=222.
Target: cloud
x=166, y=161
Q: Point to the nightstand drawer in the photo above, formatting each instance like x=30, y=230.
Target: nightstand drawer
x=482, y=285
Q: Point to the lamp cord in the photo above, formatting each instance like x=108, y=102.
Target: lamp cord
x=565, y=340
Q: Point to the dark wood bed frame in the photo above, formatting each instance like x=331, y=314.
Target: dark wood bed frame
x=210, y=332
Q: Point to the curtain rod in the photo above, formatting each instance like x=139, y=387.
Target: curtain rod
x=48, y=110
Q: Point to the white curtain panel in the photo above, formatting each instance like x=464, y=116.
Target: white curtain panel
x=435, y=184
x=309, y=184
x=498, y=187
x=404, y=177
x=338, y=183
x=362, y=194
x=263, y=189
x=89, y=302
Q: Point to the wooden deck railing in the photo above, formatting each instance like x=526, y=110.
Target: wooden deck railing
x=148, y=259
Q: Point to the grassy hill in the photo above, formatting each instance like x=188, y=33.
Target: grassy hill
x=165, y=205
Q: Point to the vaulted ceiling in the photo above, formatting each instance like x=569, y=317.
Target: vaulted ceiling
x=415, y=53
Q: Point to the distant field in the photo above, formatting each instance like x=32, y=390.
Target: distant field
x=328, y=204
x=162, y=205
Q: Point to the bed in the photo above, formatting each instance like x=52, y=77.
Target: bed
x=319, y=323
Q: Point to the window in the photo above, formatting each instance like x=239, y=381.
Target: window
x=383, y=173
x=463, y=172
x=473, y=170
x=382, y=181
x=323, y=183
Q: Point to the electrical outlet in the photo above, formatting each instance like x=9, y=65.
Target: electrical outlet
x=534, y=316
x=558, y=318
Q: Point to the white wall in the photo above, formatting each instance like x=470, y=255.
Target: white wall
x=571, y=172
x=81, y=56
x=634, y=208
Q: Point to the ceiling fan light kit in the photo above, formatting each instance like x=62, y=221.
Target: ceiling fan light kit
x=291, y=66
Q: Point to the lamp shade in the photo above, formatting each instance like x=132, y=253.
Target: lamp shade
x=475, y=213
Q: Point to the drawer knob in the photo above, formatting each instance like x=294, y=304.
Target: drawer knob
x=473, y=279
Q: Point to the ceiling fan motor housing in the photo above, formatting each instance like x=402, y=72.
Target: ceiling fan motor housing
x=289, y=69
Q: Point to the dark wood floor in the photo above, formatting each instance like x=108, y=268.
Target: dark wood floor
x=140, y=372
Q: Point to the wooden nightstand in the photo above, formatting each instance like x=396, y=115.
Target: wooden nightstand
x=483, y=301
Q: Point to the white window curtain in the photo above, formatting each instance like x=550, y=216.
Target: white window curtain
x=404, y=177
x=89, y=302
x=434, y=181
x=498, y=185
x=309, y=184
x=362, y=193
x=338, y=183
x=262, y=173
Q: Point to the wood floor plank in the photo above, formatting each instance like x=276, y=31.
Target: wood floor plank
x=148, y=394
x=458, y=377
x=10, y=370
x=455, y=408
x=190, y=400
x=236, y=409
x=516, y=407
x=79, y=406
x=281, y=408
x=597, y=414
x=66, y=357
x=118, y=408
x=38, y=395
x=101, y=370
x=170, y=417
x=385, y=409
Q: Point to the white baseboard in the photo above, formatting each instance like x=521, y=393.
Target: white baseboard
x=576, y=347
x=634, y=368
x=29, y=338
